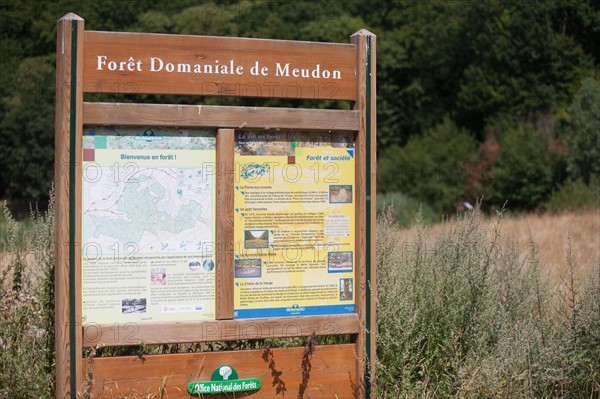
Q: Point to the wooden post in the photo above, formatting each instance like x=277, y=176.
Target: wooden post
x=365, y=205
x=224, y=224
x=69, y=101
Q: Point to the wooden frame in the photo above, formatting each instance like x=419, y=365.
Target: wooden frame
x=83, y=59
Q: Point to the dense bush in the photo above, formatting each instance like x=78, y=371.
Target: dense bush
x=572, y=195
x=430, y=168
x=584, y=135
x=27, y=309
x=404, y=208
x=522, y=173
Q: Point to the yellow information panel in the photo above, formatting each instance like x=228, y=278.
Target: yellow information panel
x=148, y=217
x=294, y=224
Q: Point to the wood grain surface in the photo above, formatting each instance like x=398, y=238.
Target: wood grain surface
x=139, y=63
x=284, y=373
x=68, y=125
x=220, y=330
x=224, y=224
x=219, y=116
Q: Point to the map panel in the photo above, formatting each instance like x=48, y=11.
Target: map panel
x=148, y=219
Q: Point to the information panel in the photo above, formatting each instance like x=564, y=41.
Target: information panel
x=294, y=221
x=148, y=217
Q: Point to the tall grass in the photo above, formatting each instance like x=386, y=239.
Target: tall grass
x=27, y=309
x=404, y=208
x=466, y=313
x=463, y=312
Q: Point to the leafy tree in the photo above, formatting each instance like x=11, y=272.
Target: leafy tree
x=522, y=174
x=572, y=195
x=154, y=22
x=420, y=58
x=337, y=30
x=579, y=21
x=206, y=19
x=430, y=167
x=584, y=134
x=27, y=139
x=520, y=64
x=27, y=77
x=473, y=62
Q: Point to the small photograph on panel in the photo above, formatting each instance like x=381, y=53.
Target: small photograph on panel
x=346, y=289
x=256, y=239
x=340, y=194
x=247, y=268
x=133, y=305
x=339, y=262
x=194, y=265
x=158, y=276
x=208, y=265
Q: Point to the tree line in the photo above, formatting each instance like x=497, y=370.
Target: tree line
x=498, y=99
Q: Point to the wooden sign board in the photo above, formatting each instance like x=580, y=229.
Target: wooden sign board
x=169, y=64
x=196, y=223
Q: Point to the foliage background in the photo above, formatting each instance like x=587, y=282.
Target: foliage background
x=489, y=98
x=504, y=80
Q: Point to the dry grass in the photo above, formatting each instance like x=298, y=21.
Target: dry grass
x=463, y=311
x=550, y=233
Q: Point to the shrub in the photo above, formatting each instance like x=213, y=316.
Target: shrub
x=27, y=307
x=583, y=134
x=465, y=313
x=522, y=174
x=404, y=208
x=429, y=167
x=572, y=195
